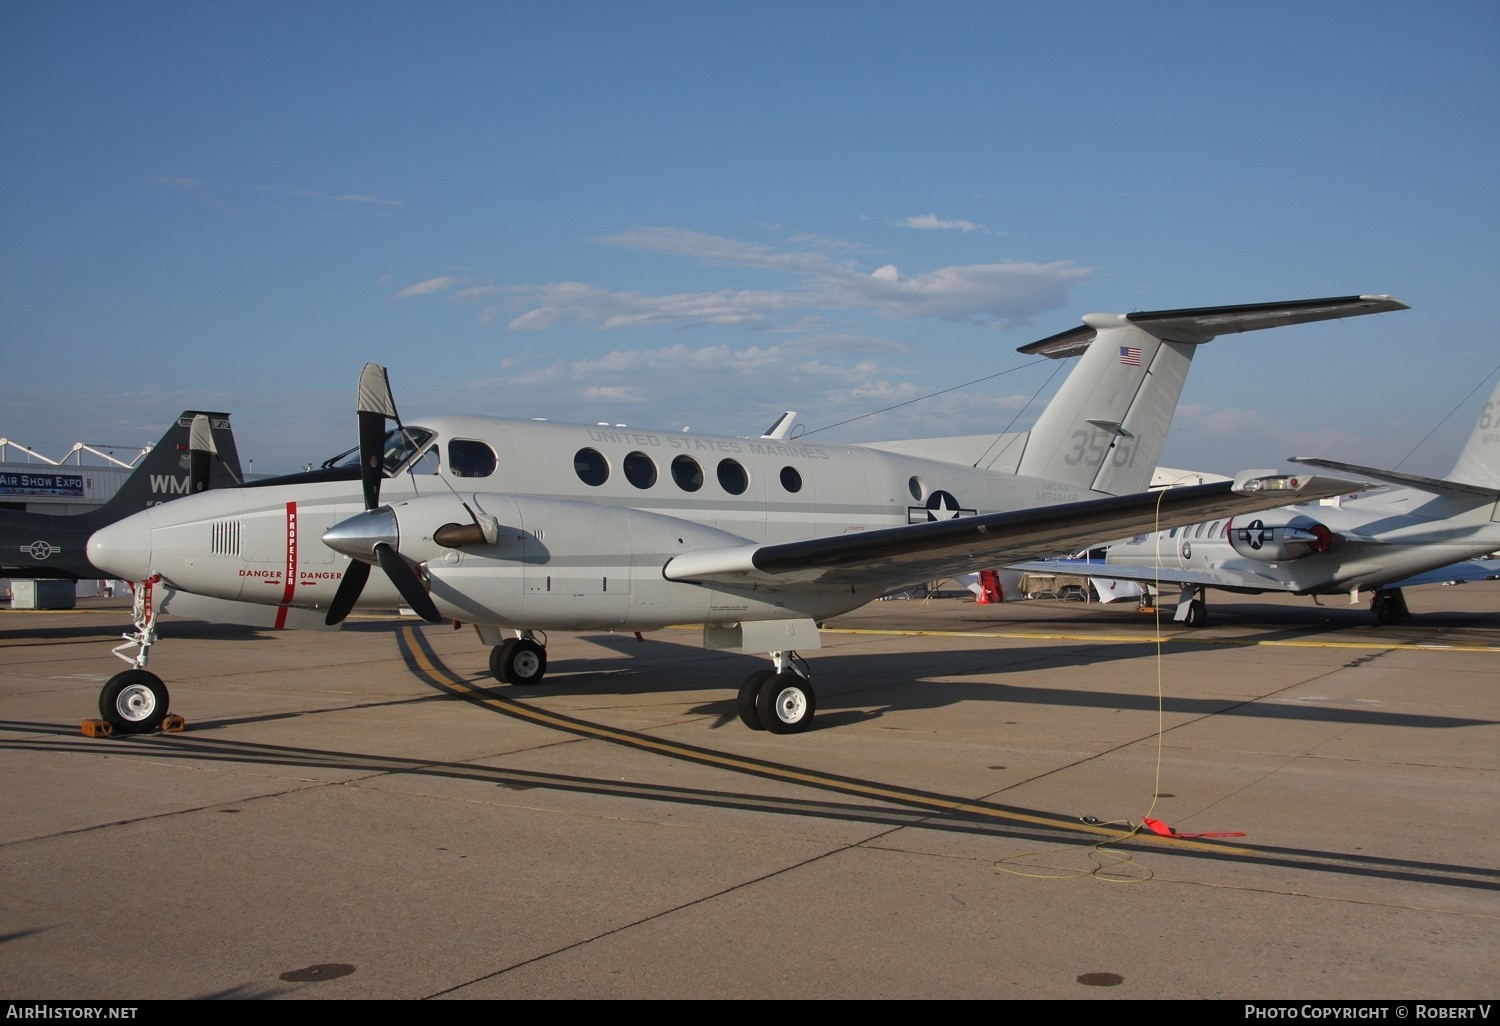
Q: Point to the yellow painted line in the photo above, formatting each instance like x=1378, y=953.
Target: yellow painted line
x=1133, y=639
x=809, y=778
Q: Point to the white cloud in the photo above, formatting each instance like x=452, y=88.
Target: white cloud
x=999, y=293
x=428, y=287
x=931, y=222
x=356, y=198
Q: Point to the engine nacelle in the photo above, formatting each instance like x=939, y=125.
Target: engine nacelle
x=1280, y=535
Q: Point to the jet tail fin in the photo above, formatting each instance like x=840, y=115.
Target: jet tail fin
x=1479, y=461
x=1107, y=425
x=1475, y=475
x=197, y=452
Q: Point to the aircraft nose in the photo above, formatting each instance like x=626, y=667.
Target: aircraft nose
x=123, y=549
x=358, y=536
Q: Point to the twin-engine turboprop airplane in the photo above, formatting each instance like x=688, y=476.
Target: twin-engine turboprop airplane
x=1420, y=531
x=195, y=454
x=528, y=526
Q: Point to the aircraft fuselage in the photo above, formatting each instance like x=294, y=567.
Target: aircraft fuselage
x=589, y=516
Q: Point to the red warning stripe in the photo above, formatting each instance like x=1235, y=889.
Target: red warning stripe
x=291, y=565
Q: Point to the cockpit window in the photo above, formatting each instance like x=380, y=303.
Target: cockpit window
x=396, y=452
x=470, y=458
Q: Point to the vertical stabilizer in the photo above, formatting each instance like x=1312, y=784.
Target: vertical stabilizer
x=167, y=471
x=1107, y=425
x=1479, y=462
x=1105, y=428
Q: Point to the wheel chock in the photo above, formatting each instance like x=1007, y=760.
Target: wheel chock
x=97, y=728
x=173, y=724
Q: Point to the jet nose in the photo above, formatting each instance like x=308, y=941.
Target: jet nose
x=123, y=549
x=358, y=536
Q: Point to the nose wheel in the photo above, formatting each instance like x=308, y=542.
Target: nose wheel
x=134, y=702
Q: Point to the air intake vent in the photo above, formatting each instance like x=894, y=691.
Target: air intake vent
x=226, y=538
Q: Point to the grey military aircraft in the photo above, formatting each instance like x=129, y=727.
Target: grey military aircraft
x=196, y=453
x=519, y=527
x=1416, y=530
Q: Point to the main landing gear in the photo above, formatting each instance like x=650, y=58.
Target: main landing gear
x=1192, y=607
x=519, y=660
x=135, y=701
x=779, y=700
x=1389, y=606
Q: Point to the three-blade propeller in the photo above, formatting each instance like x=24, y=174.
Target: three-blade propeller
x=375, y=407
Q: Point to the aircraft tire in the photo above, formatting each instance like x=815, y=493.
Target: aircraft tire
x=749, y=693
x=1388, y=608
x=1197, y=614
x=523, y=661
x=134, y=702
x=786, y=703
x=498, y=655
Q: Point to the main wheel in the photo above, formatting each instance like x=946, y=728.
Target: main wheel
x=786, y=703
x=749, y=693
x=523, y=661
x=1197, y=614
x=134, y=702
x=498, y=655
x=1389, y=608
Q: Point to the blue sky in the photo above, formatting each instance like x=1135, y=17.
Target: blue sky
x=702, y=214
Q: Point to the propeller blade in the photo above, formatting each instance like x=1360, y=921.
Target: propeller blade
x=374, y=405
x=404, y=576
x=350, y=585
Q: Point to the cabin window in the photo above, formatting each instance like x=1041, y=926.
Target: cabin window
x=1213, y=529
x=732, y=477
x=640, y=470
x=1172, y=533
x=917, y=487
x=790, y=479
x=591, y=467
x=687, y=473
x=470, y=458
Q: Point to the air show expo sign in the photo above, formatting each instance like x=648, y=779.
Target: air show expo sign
x=16, y=483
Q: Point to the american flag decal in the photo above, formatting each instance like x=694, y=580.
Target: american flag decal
x=1130, y=356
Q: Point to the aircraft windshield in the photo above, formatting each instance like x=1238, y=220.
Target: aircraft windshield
x=396, y=451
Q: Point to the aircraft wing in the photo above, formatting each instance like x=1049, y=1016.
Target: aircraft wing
x=1427, y=484
x=1228, y=578
x=896, y=556
x=1462, y=572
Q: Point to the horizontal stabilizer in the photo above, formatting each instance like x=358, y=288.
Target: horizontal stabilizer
x=1202, y=324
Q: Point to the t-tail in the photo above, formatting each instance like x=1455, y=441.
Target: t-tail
x=196, y=453
x=1105, y=428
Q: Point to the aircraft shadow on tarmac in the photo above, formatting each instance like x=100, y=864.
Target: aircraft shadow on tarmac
x=852, y=688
